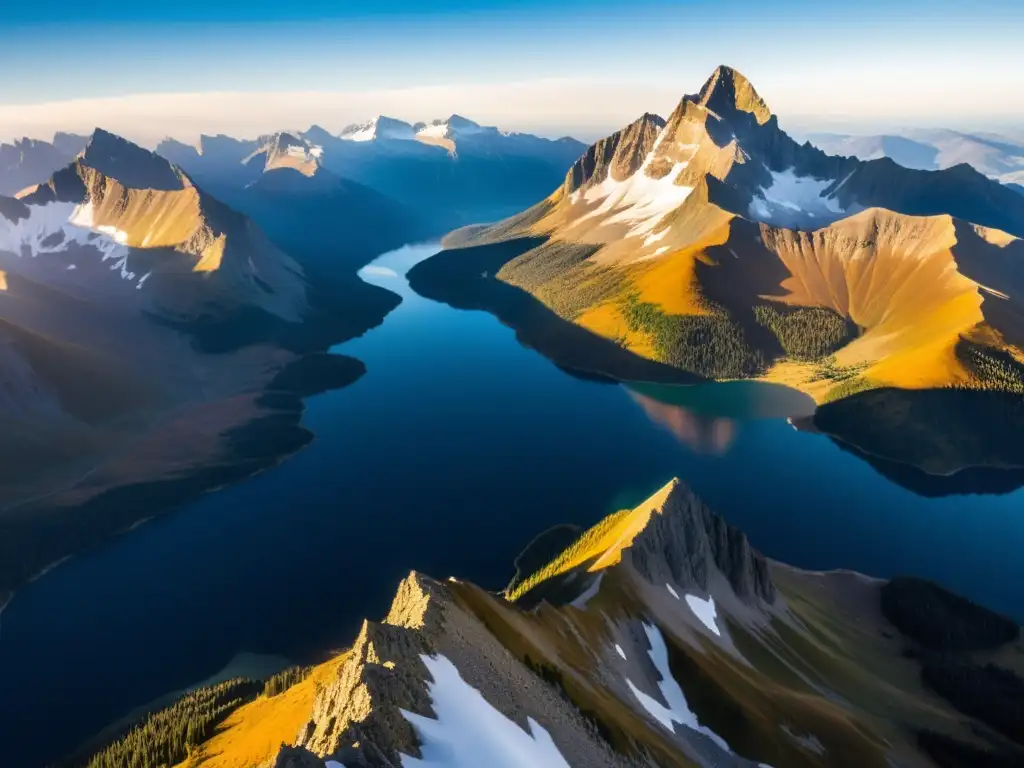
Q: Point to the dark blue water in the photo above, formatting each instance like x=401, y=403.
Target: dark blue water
x=455, y=449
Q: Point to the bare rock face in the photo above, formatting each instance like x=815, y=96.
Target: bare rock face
x=359, y=715
x=359, y=718
x=687, y=541
x=620, y=154
x=727, y=91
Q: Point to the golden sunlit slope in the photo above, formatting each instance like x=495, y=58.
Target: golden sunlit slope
x=147, y=218
x=253, y=733
x=713, y=243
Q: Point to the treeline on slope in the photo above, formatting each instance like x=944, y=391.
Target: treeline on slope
x=716, y=345
x=285, y=679
x=713, y=346
x=948, y=752
x=168, y=736
x=806, y=333
x=939, y=620
x=576, y=553
x=943, y=627
x=992, y=694
x=559, y=274
x=993, y=369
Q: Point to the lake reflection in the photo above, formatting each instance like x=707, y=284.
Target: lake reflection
x=707, y=417
x=702, y=434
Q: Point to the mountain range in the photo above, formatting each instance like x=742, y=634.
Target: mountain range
x=142, y=322
x=711, y=245
x=30, y=161
x=658, y=637
x=998, y=157
x=439, y=176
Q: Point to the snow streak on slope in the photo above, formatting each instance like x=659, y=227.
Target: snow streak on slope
x=704, y=610
x=677, y=711
x=469, y=732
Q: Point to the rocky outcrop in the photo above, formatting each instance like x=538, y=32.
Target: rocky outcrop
x=360, y=718
x=684, y=542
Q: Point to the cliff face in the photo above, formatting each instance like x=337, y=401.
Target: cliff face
x=685, y=543
x=619, y=155
x=580, y=682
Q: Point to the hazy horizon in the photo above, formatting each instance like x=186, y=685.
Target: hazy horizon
x=553, y=69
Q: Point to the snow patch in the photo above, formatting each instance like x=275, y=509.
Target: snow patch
x=438, y=131
x=640, y=200
x=677, y=711
x=705, y=611
x=618, y=649
x=793, y=201
x=469, y=732
x=379, y=128
x=365, y=133
x=672, y=591
x=38, y=234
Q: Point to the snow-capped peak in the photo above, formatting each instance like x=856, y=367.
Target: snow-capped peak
x=381, y=127
x=449, y=128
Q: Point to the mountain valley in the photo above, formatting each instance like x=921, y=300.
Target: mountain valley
x=715, y=435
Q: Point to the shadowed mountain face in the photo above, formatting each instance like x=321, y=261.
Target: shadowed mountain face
x=659, y=637
x=138, y=310
x=712, y=243
x=30, y=161
x=427, y=178
x=333, y=225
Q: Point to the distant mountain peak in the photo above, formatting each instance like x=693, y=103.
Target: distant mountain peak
x=317, y=134
x=380, y=127
x=728, y=91
x=458, y=121
x=128, y=163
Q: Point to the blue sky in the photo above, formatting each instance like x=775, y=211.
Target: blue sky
x=891, y=61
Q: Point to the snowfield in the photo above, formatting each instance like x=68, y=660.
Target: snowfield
x=797, y=202
x=470, y=733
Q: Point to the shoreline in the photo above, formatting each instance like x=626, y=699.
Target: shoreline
x=270, y=434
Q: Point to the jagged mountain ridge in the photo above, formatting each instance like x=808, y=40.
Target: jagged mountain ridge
x=160, y=232
x=446, y=173
x=715, y=244
x=141, y=319
x=331, y=223
x=660, y=638
x=31, y=161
